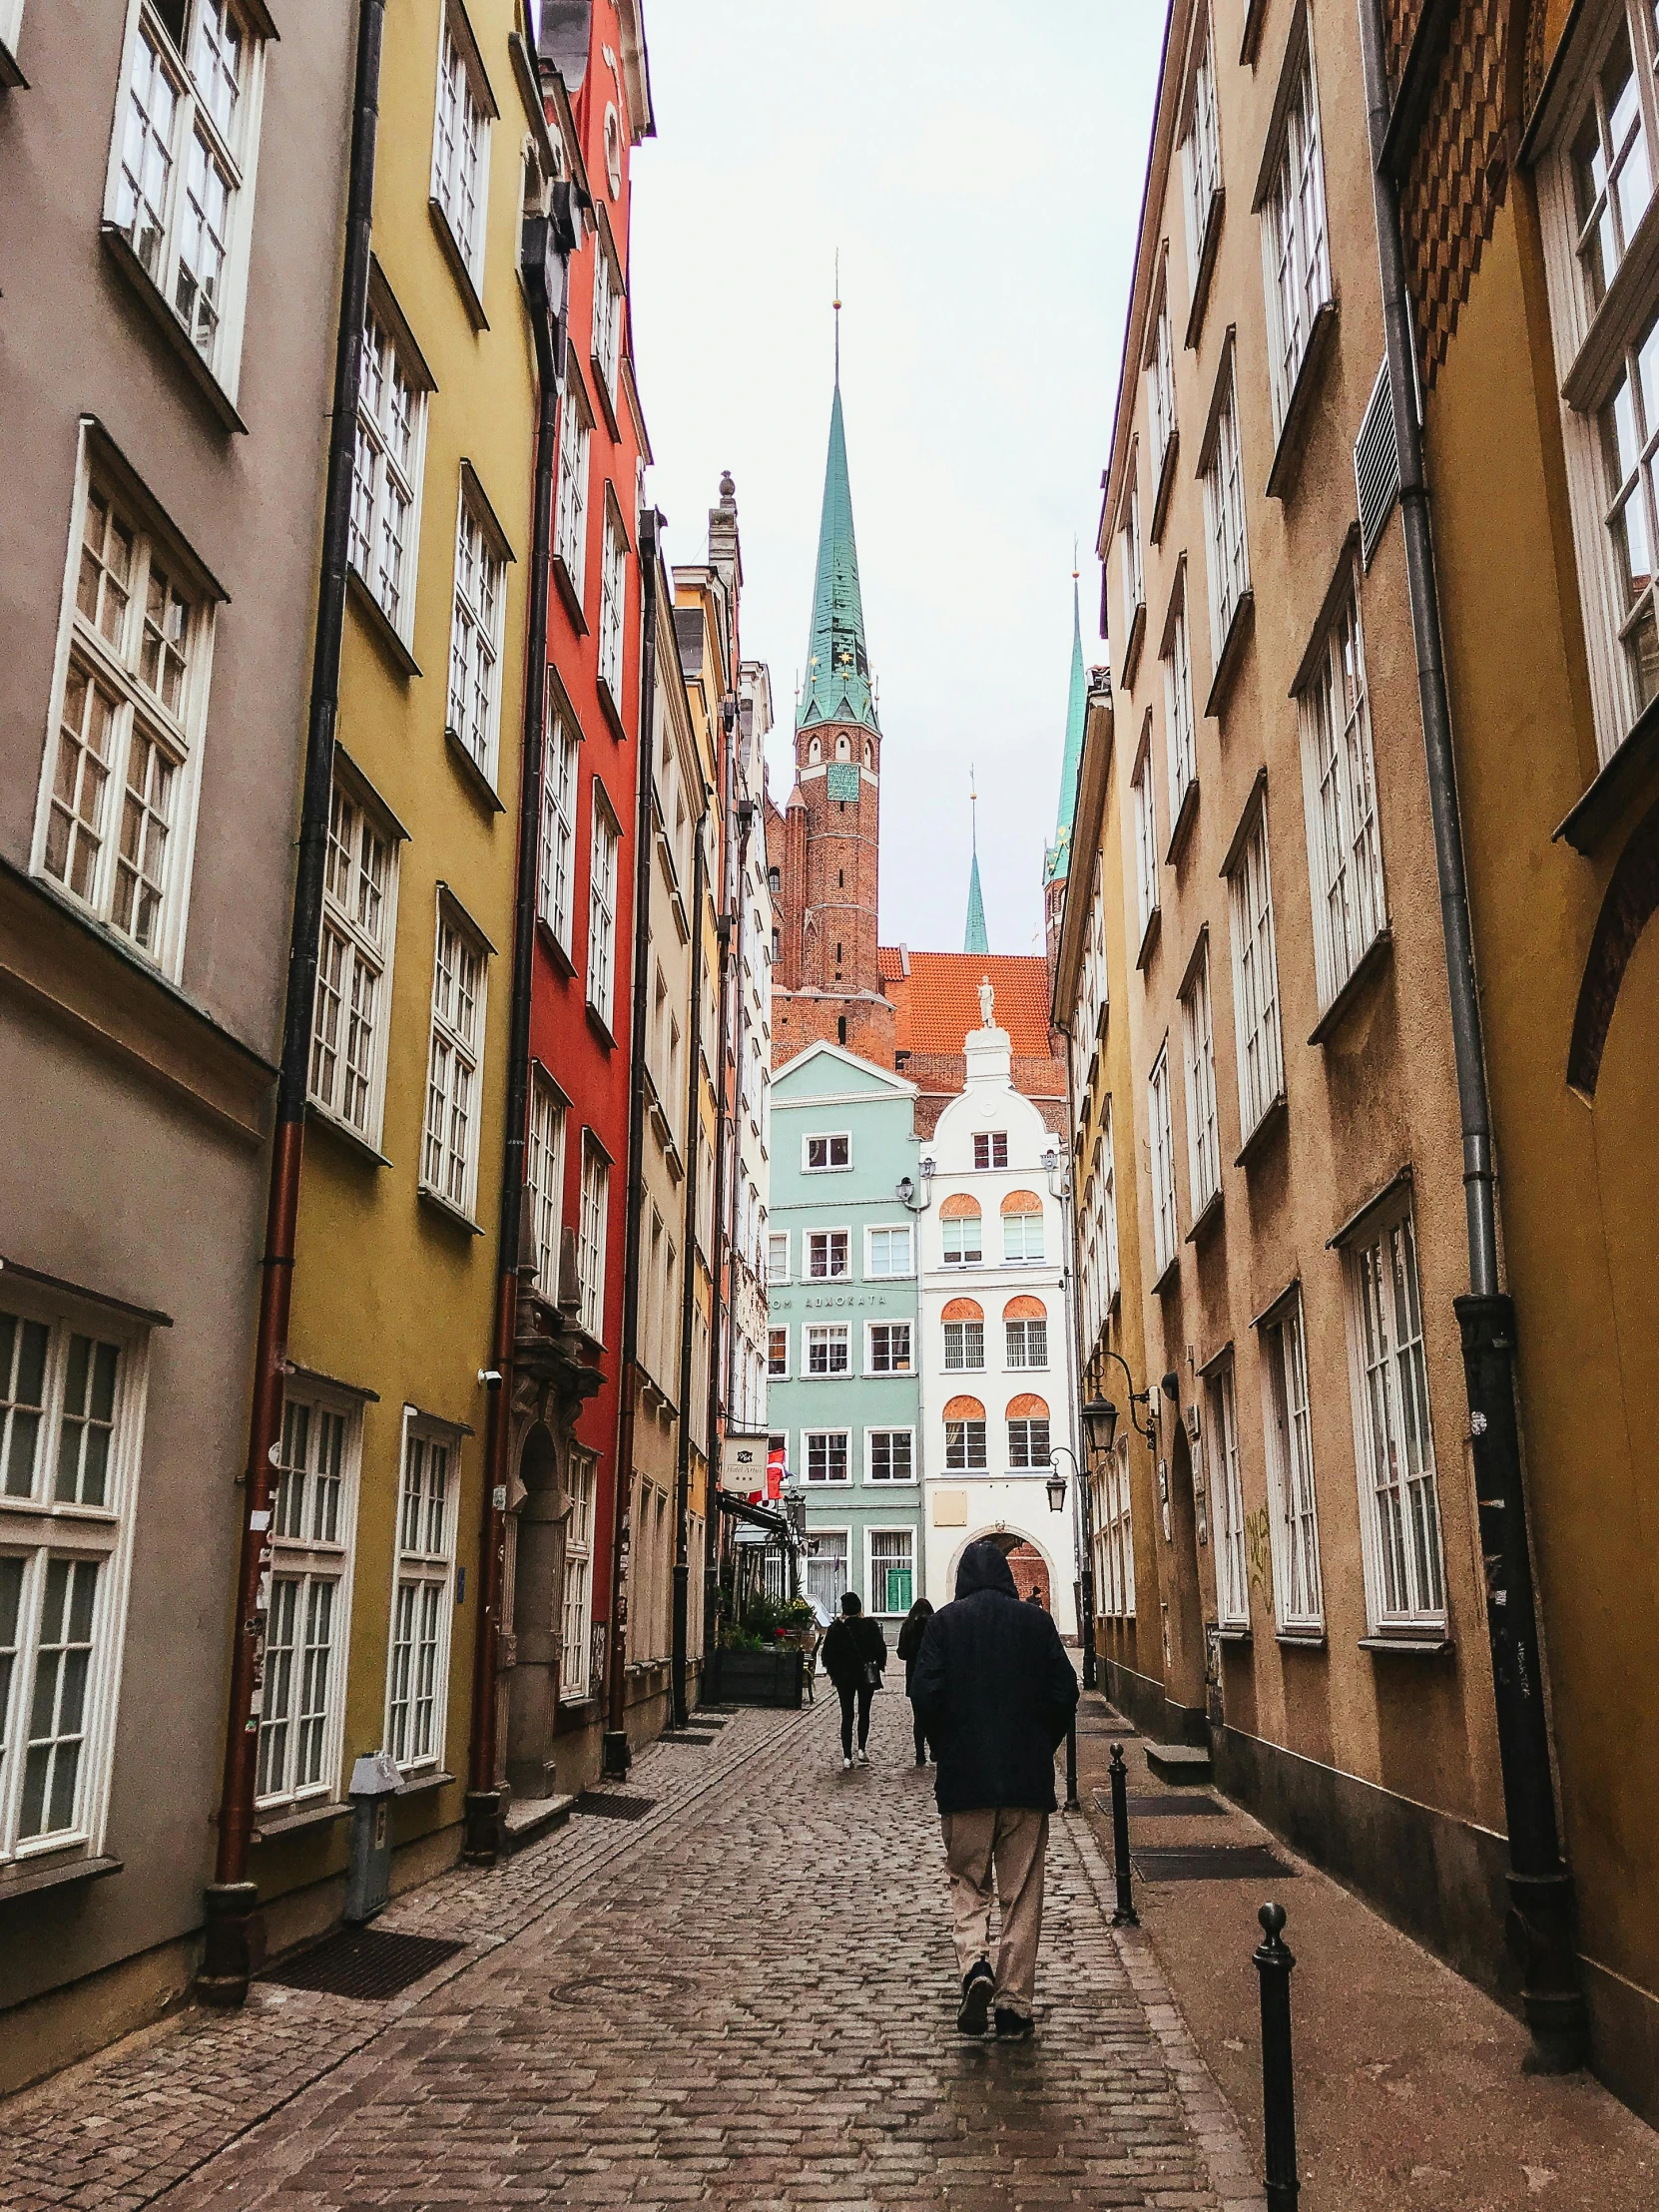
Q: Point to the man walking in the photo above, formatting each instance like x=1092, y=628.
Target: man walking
x=854, y=1655
x=995, y=1692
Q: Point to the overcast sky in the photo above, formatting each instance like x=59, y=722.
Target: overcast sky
x=978, y=164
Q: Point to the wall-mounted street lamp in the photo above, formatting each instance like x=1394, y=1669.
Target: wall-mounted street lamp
x=907, y=1190
x=1057, y=1483
x=1100, y=1415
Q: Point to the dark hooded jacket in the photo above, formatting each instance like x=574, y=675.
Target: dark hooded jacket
x=853, y=1638
x=994, y=1690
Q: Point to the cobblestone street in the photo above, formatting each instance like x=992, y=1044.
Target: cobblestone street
x=746, y=1999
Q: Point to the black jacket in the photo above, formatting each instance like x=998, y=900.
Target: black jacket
x=994, y=1690
x=909, y=1645
x=849, y=1643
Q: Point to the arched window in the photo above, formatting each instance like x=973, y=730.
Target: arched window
x=965, y=1335
x=870, y=754
x=1022, y=1226
x=964, y=1242
x=964, y=1435
x=814, y=753
x=1025, y=1332
x=1028, y=1444
x=844, y=746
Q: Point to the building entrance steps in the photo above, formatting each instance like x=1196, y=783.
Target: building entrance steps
x=1408, y=2092
x=1179, y=1763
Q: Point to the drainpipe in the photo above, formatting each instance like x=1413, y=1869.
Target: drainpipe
x=1540, y=1928
x=1071, y=1283
x=688, y=1289
x=231, y=1905
x=714, y=1531
x=615, y=1684
x=540, y=251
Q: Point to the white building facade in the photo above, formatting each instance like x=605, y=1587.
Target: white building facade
x=996, y=1338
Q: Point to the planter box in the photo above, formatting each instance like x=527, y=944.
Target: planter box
x=754, y=1678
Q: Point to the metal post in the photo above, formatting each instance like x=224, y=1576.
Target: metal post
x=1126, y=1915
x=1071, y=1764
x=1273, y=1961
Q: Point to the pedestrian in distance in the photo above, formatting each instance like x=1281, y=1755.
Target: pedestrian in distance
x=995, y=1692
x=1035, y=1597
x=910, y=1650
x=854, y=1656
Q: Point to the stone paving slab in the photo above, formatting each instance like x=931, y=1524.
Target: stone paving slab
x=744, y=1999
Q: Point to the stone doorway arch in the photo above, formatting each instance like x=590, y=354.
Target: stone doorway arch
x=537, y=1587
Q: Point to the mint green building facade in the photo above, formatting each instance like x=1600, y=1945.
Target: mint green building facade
x=844, y=1394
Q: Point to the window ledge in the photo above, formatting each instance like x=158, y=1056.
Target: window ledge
x=1132, y=647
x=550, y=944
x=1206, y=254
x=29, y=1880
x=1292, y=448
x=458, y=269
x=155, y=303
x=1149, y=938
x=570, y=593
x=1235, y=1636
x=473, y=774
x=269, y=1826
x=1232, y=652
x=1273, y=1117
x=1166, y=479
x=1420, y=1646
x=381, y=626
x=598, y=1023
x=1374, y=956
x=420, y=1785
x=1624, y=773
x=1169, y=1278
x=608, y=705
x=1207, y=1219
x=1303, y=1639
x=1185, y=814
x=607, y=398
x=344, y=1134
x=1250, y=42
x=449, y=1211
x=11, y=77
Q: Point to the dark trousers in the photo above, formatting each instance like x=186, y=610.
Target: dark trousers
x=920, y=1734
x=851, y=1693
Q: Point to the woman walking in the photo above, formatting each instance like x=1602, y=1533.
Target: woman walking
x=910, y=1650
x=854, y=1654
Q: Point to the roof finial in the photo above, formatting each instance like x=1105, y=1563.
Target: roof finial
x=837, y=307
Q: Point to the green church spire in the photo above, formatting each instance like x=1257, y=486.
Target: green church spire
x=1078, y=706
x=838, y=686
x=973, y=937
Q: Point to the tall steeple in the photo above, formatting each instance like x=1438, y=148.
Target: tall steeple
x=1058, y=859
x=838, y=687
x=973, y=937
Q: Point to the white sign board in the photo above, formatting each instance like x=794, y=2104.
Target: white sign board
x=743, y=1465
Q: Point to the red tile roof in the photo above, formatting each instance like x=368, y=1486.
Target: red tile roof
x=937, y=1004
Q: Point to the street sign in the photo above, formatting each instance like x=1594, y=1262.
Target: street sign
x=743, y=1465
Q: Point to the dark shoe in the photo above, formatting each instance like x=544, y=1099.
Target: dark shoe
x=1014, y=2027
x=920, y=1761
x=978, y=1987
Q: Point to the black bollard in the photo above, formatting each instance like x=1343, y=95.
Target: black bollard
x=1126, y=1915
x=1273, y=1961
x=1071, y=1766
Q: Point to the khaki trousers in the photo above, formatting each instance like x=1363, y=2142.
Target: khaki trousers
x=1008, y=1844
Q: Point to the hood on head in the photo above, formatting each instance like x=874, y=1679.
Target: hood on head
x=984, y=1568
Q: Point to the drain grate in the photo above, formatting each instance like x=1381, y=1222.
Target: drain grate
x=1211, y=1863
x=1164, y=1804
x=612, y=1806
x=368, y=1962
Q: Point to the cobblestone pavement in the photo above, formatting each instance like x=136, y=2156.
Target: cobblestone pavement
x=745, y=1999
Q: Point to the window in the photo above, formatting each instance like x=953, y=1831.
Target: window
x=1134, y=572
x=1109, y=1209
x=887, y=1254
x=606, y=344
x=545, y=1174
x=1117, y=1539
x=1231, y=1569
x=827, y=1350
x=1254, y=977
x=1146, y=839
x=1028, y=1444
x=383, y=537
x=1178, y=712
x=1022, y=1228
x=826, y=1567
x=826, y=1255
x=826, y=1459
x=1300, y=1604
x=1164, y=1237
x=778, y=1352
x=461, y=148
x=777, y=1257
x=348, y=1029
x=962, y=1233
x=1027, y=1342
x=117, y=807
x=1199, y=1049
x=602, y=886
x=889, y=1455
x=990, y=1148
x=889, y=1347
x=1344, y=853
x=187, y=130
x=570, y=514
x=1405, y=1572
x=827, y=1152
x=613, y=607
x=964, y=1344
x=1296, y=251
x=590, y=1239
x=1200, y=154
x=1160, y=361
x=576, y=1613
x=475, y=638
x=302, y=1711
x=1224, y=518
x=555, y=893
x=449, y=1157
x=964, y=1443
x=418, y=1673
x=891, y=1570
x=70, y=1404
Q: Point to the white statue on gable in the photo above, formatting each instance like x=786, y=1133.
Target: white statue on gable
x=988, y=1004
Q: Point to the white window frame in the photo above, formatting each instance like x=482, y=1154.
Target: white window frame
x=388, y=465
x=545, y=1175
x=1165, y=1237
x=39, y=1529
x=1338, y=773
x=1287, y=1419
x=352, y=1021
x=829, y=1272
x=1257, y=1036
x=778, y=1250
x=875, y=1273
x=1109, y=1212
x=570, y=513
x=561, y=781
x=1129, y=539
x=605, y=331
x=841, y=1555
x=1394, y=1438
x=229, y=149
x=822, y=1340
x=966, y=1445
x=840, y=1481
x=990, y=1139
x=613, y=602
x=455, y=1063
x=576, y=1593
x=1179, y=731
x=11, y=26
x=1296, y=246
x=777, y=1373
x=477, y=625
x=873, y=1473
x=462, y=114
x=890, y=1322
x=878, y=1609
x=592, y=1231
x=1160, y=368
x=1025, y=1256
x=1144, y=802
x=829, y=1165
x=1024, y=1322
x=1029, y=1443
x=604, y=861
x=963, y=1366
x=1201, y=148
x=1225, y=539
x=957, y=1223
x=1227, y=1490
x=140, y=726
x=1198, y=1042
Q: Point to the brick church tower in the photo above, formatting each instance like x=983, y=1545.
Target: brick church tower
x=828, y=982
